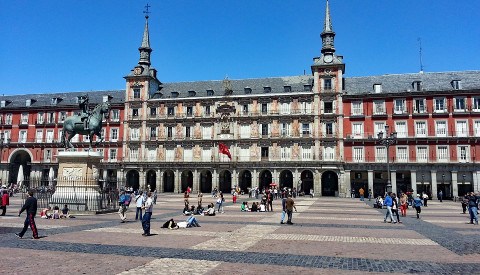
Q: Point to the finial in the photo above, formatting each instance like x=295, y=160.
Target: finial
x=146, y=10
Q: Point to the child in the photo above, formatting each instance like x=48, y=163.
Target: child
x=56, y=212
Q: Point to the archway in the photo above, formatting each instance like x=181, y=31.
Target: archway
x=286, y=179
x=187, y=180
x=245, y=180
x=168, y=181
x=20, y=158
x=265, y=178
x=307, y=182
x=133, y=179
x=225, y=184
x=329, y=184
x=206, y=182
x=151, y=180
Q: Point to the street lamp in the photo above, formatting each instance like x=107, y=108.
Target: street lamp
x=387, y=141
x=423, y=183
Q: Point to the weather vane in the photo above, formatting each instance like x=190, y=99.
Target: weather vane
x=146, y=10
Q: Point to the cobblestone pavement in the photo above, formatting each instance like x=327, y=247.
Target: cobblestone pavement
x=330, y=236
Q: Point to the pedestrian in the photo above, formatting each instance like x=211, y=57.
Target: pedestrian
x=290, y=204
x=464, y=203
x=148, y=215
x=220, y=201
x=139, y=199
x=199, y=198
x=417, y=203
x=361, y=191
x=185, y=199
x=425, y=199
x=352, y=193
x=370, y=194
x=311, y=193
x=473, y=208
x=5, y=200
x=284, y=207
x=395, y=207
x=155, y=196
x=122, y=211
x=440, y=195
x=31, y=207
x=388, y=202
x=276, y=193
x=270, y=201
x=403, y=204
x=234, y=196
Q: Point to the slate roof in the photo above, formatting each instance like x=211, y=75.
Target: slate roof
x=64, y=99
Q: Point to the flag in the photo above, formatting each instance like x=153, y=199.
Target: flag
x=222, y=149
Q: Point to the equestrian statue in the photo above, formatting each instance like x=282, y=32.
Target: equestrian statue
x=88, y=123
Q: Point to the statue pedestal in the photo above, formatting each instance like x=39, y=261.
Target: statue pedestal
x=77, y=182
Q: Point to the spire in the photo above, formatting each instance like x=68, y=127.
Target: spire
x=328, y=34
x=145, y=49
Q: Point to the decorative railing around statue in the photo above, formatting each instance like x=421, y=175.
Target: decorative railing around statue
x=73, y=194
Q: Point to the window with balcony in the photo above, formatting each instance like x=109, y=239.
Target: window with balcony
x=328, y=107
x=136, y=93
x=306, y=153
x=22, y=137
x=207, y=131
x=420, y=128
x=153, y=112
x=378, y=127
x=115, y=115
x=50, y=117
x=380, y=154
x=476, y=104
x=357, y=108
x=461, y=128
x=24, y=118
x=307, y=107
x=169, y=132
x=264, y=151
x=329, y=129
x=265, y=129
x=40, y=118
x=39, y=136
x=133, y=154
x=134, y=133
x=327, y=84
x=402, y=154
x=401, y=129
x=306, y=129
x=442, y=153
x=49, y=138
x=422, y=153
x=400, y=106
x=207, y=110
x=285, y=129
x=264, y=108
x=187, y=131
x=244, y=130
x=441, y=128
x=112, y=154
x=460, y=103
x=114, y=134
x=62, y=116
x=153, y=133
x=189, y=111
x=357, y=130
x=48, y=155
x=8, y=119
x=100, y=152
x=463, y=153
x=358, y=154
x=379, y=107
x=419, y=106
x=135, y=113
x=285, y=153
x=329, y=153
x=439, y=105
x=476, y=128
x=245, y=109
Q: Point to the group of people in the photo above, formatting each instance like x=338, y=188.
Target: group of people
x=4, y=199
x=47, y=213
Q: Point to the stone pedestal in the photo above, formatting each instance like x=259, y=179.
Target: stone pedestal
x=77, y=182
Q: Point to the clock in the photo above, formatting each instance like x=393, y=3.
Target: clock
x=328, y=58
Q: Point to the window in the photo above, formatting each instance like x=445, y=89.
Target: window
x=285, y=129
x=357, y=108
x=245, y=109
x=49, y=136
x=6, y=136
x=54, y=101
x=306, y=152
x=441, y=128
x=402, y=154
x=191, y=93
x=24, y=118
x=136, y=93
x=114, y=134
x=40, y=118
x=267, y=89
x=380, y=154
x=285, y=108
x=327, y=84
x=133, y=154
x=357, y=130
x=417, y=85
x=247, y=90
x=379, y=107
x=153, y=132
x=306, y=128
x=169, y=132
x=439, y=105
x=285, y=153
x=187, y=131
x=175, y=94
x=287, y=89
x=328, y=107
x=170, y=111
x=135, y=113
x=8, y=119
x=422, y=153
x=456, y=84
x=460, y=104
x=463, y=153
x=461, y=128
x=48, y=155
x=50, y=117
x=476, y=104
x=377, y=88
x=442, y=153
x=400, y=106
x=39, y=136
x=264, y=151
x=106, y=98
x=189, y=110
x=62, y=117
x=244, y=130
x=264, y=108
x=207, y=132
x=401, y=129
x=115, y=115
x=329, y=153
x=264, y=129
x=207, y=110
x=419, y=106
x=134, y=133
x=329, y=129
x=307, y=88
x=112, y=155
x=153, y=112
x=307, y=107
x=476, y=128
x=28, y=102
x=3, y=104
x=420, y=128
x=358, y=154
x=22, y=137
x=210, y=92
x=378, y=127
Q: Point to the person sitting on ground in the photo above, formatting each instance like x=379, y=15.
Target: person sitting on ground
x=254, y=207
x=199, y=210
x=243, y=207
x=211, y=210
x=187, y=211
x=246, y=207
x=65, y=212
x=262, y=207
x=190, y=222
x=44, y=214
x=170, y=224
x=56, y=212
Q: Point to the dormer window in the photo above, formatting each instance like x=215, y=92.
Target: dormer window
x=248, y=90
x=327, y=84
x=174, y=94
x=267, y=89
x=136, y=93
x=210, y=92
x=377, y=88
x=3, y=103
x=53, y=101
x=417, y=85
x=28, y=102
x=307, y=88
x=456, y=84
x=192, y=93
x=287, y=89
x=106, y=98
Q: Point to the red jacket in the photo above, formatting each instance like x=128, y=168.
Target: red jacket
x=5, y=200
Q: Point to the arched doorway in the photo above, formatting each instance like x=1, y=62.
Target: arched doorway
x=206, y=182
x=133, y=179
x=245, y=180
x=168, y=181
x=225, y=184
x=265, y=178
x=329, y=184
x=20, y=164
x=286, y=179
x=307, y=182
x=187, y=180
x=151, y=180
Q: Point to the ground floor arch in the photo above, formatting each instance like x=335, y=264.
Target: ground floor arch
x=206, y=181
x=151, y=181
x=264, y=179
x=19, y=170
x=187, y=180
x=133, y=179
x=329, y=184
x=286, y=179
x=306, y=178
x=225, y=182
x=245, y=180
x=168, y=181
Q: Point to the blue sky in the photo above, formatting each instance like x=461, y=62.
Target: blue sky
x=61, y=46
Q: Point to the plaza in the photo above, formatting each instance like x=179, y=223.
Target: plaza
x=329, y=236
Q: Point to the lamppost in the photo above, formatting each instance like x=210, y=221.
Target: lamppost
x=423, y=183
x=388, y=141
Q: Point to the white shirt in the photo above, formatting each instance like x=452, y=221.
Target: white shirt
x=149, y=205
x=182, y=225
x=139, y=199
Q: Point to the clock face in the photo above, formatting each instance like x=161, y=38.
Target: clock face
x=328, y=58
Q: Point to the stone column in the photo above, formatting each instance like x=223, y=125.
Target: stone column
x=255, y=179
x=476, y=185
x=215, y=182
x=433, y=175
x=413, y=180
x=177, y=182
x=346, y=184
x=370, y=180
x=393, y=180
x=196, y=181
x=276, y=178
x=142, y=178
x=454, y=184
x=317, y=184
x=159, y=181
x=234, y=178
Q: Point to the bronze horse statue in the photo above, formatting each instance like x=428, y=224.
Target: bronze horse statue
x=74, y=125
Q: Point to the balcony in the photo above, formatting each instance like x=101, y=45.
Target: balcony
x=398, y=112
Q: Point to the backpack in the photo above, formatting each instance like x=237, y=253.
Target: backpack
x=128, y=198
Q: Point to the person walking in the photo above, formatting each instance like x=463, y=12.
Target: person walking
x=395, y=204
x=473, y=208
x=464, y=203
x=122, y=210
x=220, y=201
x=370, y=194
x=5, y=201
x=403, y=204
x=139, y=199
x=440, y=195
x=425, y=199
x=31, y=207
x=417, y=203
x=155, y=196
x=362, y=192
x=148, y=215
x=290, y=204
x=199, y=198
x=284, y=206
x=270, y=201
x=388, y=202
x=352, y=193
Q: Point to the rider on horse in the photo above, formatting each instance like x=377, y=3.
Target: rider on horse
x=85, y=106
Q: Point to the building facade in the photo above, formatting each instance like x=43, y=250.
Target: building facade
x=316, y=133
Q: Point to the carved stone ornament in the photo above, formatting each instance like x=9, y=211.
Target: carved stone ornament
x=137, y=71
x=72, y=172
